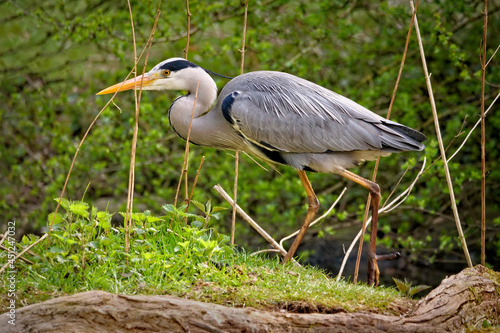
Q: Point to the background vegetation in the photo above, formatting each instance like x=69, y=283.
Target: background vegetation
x=55, y=55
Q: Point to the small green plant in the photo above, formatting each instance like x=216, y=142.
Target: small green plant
x=209, y=212
x=405, y=287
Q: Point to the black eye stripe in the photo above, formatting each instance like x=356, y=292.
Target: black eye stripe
x=177, y=65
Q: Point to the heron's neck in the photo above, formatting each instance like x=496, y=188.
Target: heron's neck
x=201, y=95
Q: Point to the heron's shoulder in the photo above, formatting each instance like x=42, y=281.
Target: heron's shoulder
x=272, y=82
x=269, y=76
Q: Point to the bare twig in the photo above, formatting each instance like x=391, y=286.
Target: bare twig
x=243, y=38
x=186, y=51
x=4, y=237
x=178, y=189
x=402, y=197
x=137, y=99
x=386, y=208
x=235, y=191
x=188, y=33
x=264, y=251
x=318, y=219
x=493, y=55
x=250, y=221
x=237, y=153
x=185, y=165
x=483, y=137
x=22, y=258
x=26, y=249
x=377, y=162
x=474, y=127
x=440, y=142
x=396, y=186
x=195, y=182
x=131, y=176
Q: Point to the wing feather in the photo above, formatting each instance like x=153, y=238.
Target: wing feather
x=297, y=116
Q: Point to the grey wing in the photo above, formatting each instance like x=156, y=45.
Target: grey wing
x=281, y=112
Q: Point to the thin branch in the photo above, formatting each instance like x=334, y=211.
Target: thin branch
x=130, y=197
x=8, y=251
x=377, y=162
x=474, y=127
x=237, y=154
x=264, y=251
x=131, y=177
x=493, y=55
x=4, y=237
x=243, y=38
x=235, y=191
x=250, y=221
x=186, y=51
x=195, y=182
x=24, y=251
x=440, y=142
x=386, y=208
x=188, y=33
x=318, y=219
x=402, y=197
x=472, y=19
x=185, y=165
x=483, y=138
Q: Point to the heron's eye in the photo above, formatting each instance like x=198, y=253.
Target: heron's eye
x=166, y=72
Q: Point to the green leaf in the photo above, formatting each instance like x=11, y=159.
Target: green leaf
x=218, y=209
x=183, y=244
x=197, y=223
x=79, y=208
x=65, y=203
x=199, y=205
x=58, y=218
x=169, y=208
x=417, y=289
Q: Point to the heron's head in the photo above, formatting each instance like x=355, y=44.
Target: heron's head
x=171, y=74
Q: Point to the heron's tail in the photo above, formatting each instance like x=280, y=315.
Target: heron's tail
x=398, y=137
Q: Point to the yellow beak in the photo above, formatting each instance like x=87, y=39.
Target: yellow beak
x=145, y=79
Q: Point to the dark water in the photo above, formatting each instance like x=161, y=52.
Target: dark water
x=329, y=253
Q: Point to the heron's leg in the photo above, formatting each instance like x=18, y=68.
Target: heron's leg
x=373, y=271
x=311, y=212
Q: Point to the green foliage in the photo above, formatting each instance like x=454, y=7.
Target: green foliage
x=406, y=289
x=56, y=55
x=87, y=252
x=167, y=256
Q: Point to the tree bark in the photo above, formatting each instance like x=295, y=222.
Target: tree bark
x=465, y=300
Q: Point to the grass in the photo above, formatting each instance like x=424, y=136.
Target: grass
x=166, y=256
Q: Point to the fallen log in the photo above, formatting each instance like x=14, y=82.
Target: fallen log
x=463, y=301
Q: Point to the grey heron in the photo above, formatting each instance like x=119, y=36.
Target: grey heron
x=282, y=119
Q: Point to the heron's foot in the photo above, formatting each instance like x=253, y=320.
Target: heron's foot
x=373, y=270
x=388, y=256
